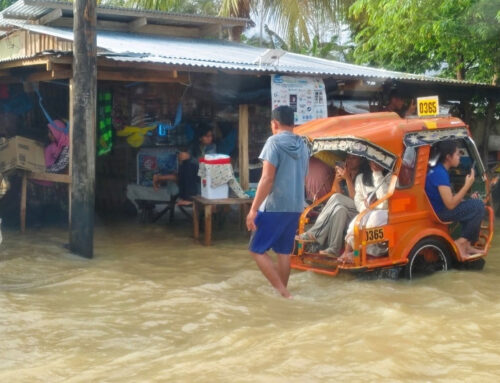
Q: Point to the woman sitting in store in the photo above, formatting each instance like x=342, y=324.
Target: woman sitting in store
x=46, y=197
x=187, y=177
x=57, y=152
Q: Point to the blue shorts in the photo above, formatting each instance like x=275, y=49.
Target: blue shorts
x=275, y=230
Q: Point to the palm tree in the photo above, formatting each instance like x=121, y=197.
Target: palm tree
x=294, y=20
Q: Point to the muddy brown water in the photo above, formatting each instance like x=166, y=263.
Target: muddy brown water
x=153, y=306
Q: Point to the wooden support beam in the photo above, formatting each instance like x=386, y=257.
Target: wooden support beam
x=166, y=69
x=243, y=146
x=55, y=66
x=137, y=24
x=51, y=177
x=214, y=31
x=62, y=60
x=48, y=76
x=153, y=29
x=168, y=30
x=24, y=63
x=360, y=86
x=50, y=17
x=145, y=76
x=84, y=102
x=67, y=22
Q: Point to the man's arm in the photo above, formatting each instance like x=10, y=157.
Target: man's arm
x=263, y=190
x=157, y=178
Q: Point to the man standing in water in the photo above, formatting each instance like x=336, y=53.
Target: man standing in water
x=279, y=199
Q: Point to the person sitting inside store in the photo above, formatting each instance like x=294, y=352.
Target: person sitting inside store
x=187, y=177
x=398, y=105
x=57, y=152
x=47, y=197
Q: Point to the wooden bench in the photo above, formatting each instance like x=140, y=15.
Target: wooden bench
x=209, y=205
x=51, y=177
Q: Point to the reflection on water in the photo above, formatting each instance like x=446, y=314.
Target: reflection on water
x=154, y=306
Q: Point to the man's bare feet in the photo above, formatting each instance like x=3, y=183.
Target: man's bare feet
x=475, y=251
x=346, y=258
x=462, y=247
x=184, y=202
x=329, y=253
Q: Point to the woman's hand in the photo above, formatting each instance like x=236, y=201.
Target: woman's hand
x=183, y=156
x=340, y=172
x=469, y=178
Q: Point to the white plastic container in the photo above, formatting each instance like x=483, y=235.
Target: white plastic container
x=207, y=190
x=213, y=193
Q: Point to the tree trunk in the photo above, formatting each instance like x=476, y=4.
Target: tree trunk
x=460, y=68
x=83, y=115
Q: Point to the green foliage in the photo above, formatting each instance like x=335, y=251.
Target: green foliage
x=6, y=3
x=459, y=38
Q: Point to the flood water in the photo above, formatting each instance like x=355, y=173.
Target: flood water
x=153, y=306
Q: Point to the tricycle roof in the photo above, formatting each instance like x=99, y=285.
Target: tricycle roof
x=379, y=136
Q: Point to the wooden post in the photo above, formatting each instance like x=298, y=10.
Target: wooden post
x=489, y=121
x=24, y=186
x=70, y=164
x=196, y=220
x=83, y=144
x=208, y=224
x=243, y=146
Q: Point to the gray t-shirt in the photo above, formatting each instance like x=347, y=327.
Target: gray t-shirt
x=289, y=154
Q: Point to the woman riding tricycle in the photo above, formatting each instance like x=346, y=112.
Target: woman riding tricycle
x=396, y=224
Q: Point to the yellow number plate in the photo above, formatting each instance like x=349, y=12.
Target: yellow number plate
x=428, y=106
x=374, y=235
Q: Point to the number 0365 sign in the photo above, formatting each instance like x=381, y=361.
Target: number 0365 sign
x=428, y=106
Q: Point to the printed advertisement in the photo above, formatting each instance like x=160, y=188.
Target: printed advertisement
x=306, y=95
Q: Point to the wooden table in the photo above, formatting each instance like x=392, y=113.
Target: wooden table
x=209, y=205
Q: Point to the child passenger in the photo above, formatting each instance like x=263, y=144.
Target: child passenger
x=371, y=184
x=330, y=226
x=452, y=207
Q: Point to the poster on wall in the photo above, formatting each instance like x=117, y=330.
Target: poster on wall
x=306, y=95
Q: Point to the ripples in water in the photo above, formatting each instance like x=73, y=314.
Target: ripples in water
x=154, y=306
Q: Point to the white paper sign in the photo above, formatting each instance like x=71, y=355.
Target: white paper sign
x=306, y=95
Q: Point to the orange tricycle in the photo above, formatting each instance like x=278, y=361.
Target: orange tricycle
x=414, y=241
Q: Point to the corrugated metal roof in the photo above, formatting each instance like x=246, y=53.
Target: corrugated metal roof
x=225, y=55
x=34, y=9
x=221, y=54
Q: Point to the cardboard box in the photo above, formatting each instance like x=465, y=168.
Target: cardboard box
x=22, y=153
